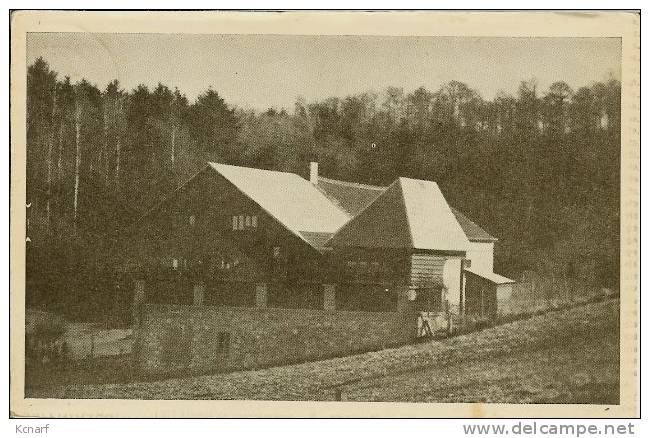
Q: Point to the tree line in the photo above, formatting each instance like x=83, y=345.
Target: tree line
x=539, y=169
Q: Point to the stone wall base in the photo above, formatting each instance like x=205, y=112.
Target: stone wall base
x=174, y=338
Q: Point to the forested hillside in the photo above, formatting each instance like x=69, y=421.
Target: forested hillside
x=540, y=169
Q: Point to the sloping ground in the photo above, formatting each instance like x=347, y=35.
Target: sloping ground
x=518, y=362
x=582, y=371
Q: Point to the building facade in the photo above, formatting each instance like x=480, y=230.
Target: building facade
x=244, y=267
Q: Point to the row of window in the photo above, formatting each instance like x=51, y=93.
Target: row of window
x=354, y=270
x=244, y=222
x=362, y=270
x=369, y=298
x=239, y=222
x=179, y=220
x=223, y=263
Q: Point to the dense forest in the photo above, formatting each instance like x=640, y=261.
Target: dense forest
x=539, y=170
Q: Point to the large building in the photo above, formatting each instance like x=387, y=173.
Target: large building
x=244, y=245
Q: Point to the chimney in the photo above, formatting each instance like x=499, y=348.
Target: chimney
x=313, y=173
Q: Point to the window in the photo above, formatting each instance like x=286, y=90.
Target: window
x=238, y=222
x=467, y=263
x=350, y=270
x=276, y=252
x=244, y=222
x=192, y=220
x=375, y=270
x=366, y=271
x=223, y=342
x=362, y=271
x=177, y=345
x=175, y=264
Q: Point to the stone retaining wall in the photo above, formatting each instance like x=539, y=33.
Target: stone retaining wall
x=174, y=337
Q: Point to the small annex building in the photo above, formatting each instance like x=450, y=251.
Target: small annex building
x=486, y=293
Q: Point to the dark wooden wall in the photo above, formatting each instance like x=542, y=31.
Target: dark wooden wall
x=480, y=296
x=202, y=249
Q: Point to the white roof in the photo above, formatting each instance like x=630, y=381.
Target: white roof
x=491, y=276
x=289, y=198
x=432, y=223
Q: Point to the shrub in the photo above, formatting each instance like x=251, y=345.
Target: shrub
x=50, y=328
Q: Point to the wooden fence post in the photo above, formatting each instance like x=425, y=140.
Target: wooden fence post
x=260, y=295
x=199, y=292
x=138, y=300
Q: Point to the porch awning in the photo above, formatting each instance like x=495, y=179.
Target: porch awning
x=490, y=276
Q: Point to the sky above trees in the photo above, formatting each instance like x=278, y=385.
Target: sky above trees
x=262, y=71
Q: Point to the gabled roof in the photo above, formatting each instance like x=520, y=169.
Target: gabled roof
x=382, y=224
x=432, y=223
x=351, y=197
x=473, y=232
x=409, y=214
x=293, y=201
x=354, y=197
x=490, y=276
x=317, y=240
x=413, y=215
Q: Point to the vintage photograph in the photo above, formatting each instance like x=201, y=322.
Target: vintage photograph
x=352, y=218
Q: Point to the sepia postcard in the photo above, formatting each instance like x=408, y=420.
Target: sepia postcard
x=325, y=214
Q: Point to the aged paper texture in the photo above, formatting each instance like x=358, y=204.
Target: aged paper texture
x=267, y=214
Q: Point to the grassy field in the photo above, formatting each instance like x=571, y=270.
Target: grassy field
x=585, y=371
x=568, y=356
